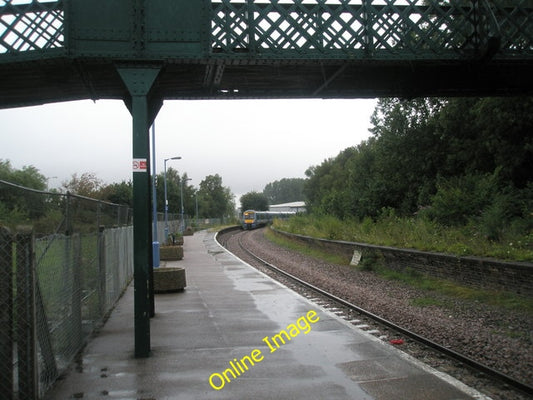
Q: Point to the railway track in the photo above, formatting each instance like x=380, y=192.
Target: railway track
x=490, y=373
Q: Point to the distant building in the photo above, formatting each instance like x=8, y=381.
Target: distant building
x=296, y=206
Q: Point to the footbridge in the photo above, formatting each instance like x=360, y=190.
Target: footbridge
x=72, y=49
x=145, y=51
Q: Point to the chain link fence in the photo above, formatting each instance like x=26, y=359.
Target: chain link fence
x=60, y=276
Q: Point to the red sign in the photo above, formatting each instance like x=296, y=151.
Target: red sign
x=140, y=165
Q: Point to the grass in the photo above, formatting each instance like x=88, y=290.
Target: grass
x=57, y=263
x=498, y=298
x=415, y=233
x=303, y=249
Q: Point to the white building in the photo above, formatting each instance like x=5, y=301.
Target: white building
x=296, y=206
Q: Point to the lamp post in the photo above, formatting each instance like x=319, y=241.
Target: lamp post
x=166, y=201
x=196, y=215
x=182, y=210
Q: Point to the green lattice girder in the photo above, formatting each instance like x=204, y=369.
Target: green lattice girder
x=33, y=27
x=70, y=49
x=247, y=30
x=388, y=29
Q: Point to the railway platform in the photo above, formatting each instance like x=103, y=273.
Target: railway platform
x=234, y=333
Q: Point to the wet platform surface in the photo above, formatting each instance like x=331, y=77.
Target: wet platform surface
x=221, y=339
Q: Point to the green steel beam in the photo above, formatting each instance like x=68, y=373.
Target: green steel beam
x=251, y=31
x=139, y=81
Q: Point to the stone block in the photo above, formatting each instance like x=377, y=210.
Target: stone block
x=171, y=279
x=170, y=253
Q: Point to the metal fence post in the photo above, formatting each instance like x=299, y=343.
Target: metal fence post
x=101, y=272
x=49, y=368
x=26, y=326
x=76, y=336
x=6, y=314
x=68, y=218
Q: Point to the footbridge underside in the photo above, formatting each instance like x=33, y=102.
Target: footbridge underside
x=72, y=49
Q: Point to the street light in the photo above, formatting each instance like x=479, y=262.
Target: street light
x=196, y=215
x=181, y=196
x=166, y=201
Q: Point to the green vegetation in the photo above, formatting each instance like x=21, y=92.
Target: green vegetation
x=303, y=249
x=16, y=207
x=47, y=211
x=411, y=232
x=450, y=175
x=443, y=287
x=285, y=190
x=214, y=199
x=254, y=201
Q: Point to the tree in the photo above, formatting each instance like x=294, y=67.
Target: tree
x=460, y=160
x=87, y=185
x=173, y=191
x=327, y=189
x=409, y=151
x=506, y=126
x=254, y=201
x=284, y=191
x=189, y=196
x=118, y=193
x=214, y=200
x=18, y=205
x=28, y=176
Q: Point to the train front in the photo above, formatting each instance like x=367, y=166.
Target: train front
x=248, y=219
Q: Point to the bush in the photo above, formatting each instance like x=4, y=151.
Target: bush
x=12, y=217
x=509, y=214
x=459, y=198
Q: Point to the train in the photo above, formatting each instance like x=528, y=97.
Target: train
x=252, y=219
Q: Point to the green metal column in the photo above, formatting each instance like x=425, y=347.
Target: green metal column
x=139, y=81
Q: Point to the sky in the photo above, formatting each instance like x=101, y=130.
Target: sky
x=249, y=143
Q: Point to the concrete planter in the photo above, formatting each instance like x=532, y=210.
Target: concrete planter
x=170, y=279
x=175, y=240
x=170, y=253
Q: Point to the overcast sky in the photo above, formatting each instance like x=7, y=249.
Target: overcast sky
x=249, y=143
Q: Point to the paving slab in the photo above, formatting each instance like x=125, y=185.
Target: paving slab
x=234, y=333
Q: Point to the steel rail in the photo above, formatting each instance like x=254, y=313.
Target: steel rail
x=524, y=387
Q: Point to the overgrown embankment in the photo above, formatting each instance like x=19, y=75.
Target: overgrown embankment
x=412, y=233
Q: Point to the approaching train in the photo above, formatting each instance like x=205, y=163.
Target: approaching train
x=254, y=219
